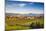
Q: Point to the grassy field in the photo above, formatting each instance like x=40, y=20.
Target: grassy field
x=16, y=24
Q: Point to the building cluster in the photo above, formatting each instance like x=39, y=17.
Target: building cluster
x=24, y=17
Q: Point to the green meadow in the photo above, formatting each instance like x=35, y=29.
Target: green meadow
x=23, y=24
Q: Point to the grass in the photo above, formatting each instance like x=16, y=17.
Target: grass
x=14, y=24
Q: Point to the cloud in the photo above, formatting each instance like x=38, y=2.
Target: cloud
x=21, y=5
x=20, y=8
x=25, y=11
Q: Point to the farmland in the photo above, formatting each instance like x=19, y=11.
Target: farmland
x=24, y=22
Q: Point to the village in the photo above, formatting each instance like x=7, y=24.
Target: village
x=24, y=17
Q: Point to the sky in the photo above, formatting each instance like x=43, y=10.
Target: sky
x=24, y=7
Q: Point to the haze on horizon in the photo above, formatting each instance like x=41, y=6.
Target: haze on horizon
x=22, y=7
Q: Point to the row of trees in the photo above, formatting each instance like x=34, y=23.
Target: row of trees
x=36, y=25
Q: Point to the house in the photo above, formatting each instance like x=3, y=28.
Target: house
x=30, y=17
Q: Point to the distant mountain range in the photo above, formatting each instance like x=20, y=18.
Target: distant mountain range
x=30, y=14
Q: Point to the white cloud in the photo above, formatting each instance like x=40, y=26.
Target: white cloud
x=21, y=5
x=25, y=11
x=17, y=5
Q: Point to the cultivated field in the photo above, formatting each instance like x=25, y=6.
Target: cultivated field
x=24, y=22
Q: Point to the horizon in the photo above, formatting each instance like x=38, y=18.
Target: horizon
x=27, y=13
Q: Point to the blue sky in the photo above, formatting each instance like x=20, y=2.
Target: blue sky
x=24, y=7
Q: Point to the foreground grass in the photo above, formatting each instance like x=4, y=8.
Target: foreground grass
x=24, y=24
